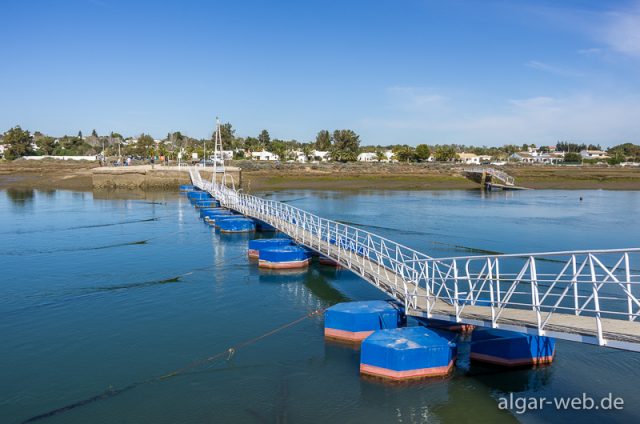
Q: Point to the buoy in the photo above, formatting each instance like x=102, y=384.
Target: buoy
x=354, y=321
x=236, y=225
x=283, y=257
x=511, y=349
x=258, y=244
x=408, y=353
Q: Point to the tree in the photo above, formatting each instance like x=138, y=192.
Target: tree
x=380, y=155
x=264, y=139
x=423, y=152
x=251, y=144
x=227, y=135
x=572, y=157
x=46, y=145
x=345, y=145
x=144, y=146
x=323, y=141
x=279, y=148
x=445, y=153
x=405, y=153
x=307, y=150
x=19, y=143
x=94, y=133
x=80, y=135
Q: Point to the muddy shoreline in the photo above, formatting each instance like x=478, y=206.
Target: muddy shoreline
x=48, y=175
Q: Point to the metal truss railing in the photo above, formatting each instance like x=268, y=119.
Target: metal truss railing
x=578, y=295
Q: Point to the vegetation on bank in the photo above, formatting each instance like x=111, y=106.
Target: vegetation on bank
x=342, y=145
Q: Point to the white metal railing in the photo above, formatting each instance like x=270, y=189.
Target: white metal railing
x=590, y=296
x=501, y=175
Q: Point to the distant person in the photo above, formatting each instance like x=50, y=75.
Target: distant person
x=129, y=161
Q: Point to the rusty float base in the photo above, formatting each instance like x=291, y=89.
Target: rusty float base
x=371, y=370
x=283, y=265
x=523, y=362
x=346, y=336
x=330, y=262
x=456, y=328
x=253, y=254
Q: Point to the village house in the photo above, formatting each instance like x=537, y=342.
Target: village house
x=594, y=154
x=264, y=156
x=473, y=159
x=537, y=157
x=368, y=157
x=320, y=156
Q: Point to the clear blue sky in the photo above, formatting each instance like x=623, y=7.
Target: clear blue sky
x=398, y=71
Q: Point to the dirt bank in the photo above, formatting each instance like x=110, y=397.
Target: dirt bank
x=256, y=176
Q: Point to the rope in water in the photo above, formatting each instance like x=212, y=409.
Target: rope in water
x=226, y=354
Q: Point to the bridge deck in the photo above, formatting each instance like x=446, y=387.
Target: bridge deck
x=621, y=333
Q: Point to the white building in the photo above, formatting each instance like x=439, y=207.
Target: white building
x=594, y=154
x=469, y=158
x=264, y=155
x=320, y=156
x=2, y=149
x=368, y=157
x=537, y=157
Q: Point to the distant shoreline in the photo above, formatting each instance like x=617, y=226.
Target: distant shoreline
x=331, y=176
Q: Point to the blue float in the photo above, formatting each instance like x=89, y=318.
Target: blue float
x=408, y=353
x=258, y=244
x=187, y=187
x=236, y=225
x=194, y=196
x=283, y=257
x=211, y=212
x=511, y=349
x=354, y=321
x=206, y=204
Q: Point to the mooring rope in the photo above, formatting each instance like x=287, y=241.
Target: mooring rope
x=227, y=354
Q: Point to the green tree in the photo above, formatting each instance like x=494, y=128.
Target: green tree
x=46, y=145
x=251, y=144
x=323, y=141
x=144, y=146
x=423, y=152
x=279, y=148
x=94, y=133
x=345, y=145
x=380, y=155
x=405, y=153
x=19, y=143
x=445, y=153
x=264, y=139
x=572, y=157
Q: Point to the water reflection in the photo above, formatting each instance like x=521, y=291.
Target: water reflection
x=20, y=197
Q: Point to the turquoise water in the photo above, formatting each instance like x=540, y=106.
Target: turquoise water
x=99, y=291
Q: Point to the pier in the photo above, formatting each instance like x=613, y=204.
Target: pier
x=492, y=179
x=584, y=296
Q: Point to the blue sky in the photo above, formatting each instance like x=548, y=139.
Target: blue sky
x=405, y=71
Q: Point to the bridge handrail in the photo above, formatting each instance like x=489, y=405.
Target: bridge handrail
x=595, y=283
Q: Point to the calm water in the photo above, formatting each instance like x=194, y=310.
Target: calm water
x=102, y=292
